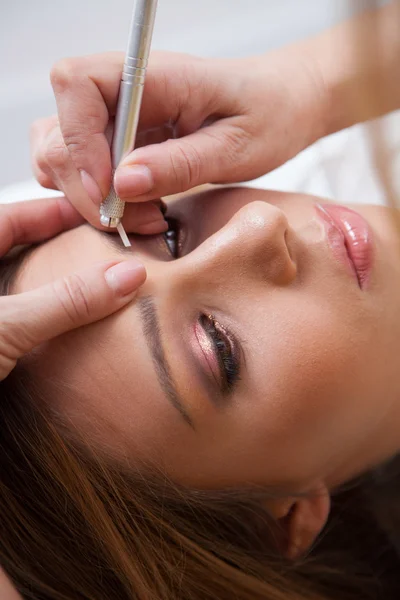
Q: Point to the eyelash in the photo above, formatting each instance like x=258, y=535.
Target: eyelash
x=225, y=345
x=172, y=236
x=226, y=350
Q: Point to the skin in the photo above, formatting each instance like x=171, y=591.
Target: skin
x=317, y=400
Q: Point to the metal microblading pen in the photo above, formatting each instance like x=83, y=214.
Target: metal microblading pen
x=129, y=102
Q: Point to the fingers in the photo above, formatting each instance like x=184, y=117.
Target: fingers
x=33, y=317
x=213, y=154
x=181, y=93
x=71, y=152
x=38, y=135
x=145, y=218
x=54, y=168
x=86, y=91
x=34, y=221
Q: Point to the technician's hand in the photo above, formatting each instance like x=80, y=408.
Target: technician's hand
x=30, y=318
x=233, y=120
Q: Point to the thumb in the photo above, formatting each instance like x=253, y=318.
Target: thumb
x=218, y=153
x=30, y=318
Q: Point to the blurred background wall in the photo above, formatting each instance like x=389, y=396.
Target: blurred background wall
x=36, y=33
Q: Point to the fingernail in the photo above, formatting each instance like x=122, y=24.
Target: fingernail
x=91, y=188
x=125, y=277
x=133, y=181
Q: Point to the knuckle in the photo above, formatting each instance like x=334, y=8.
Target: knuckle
x=44, y=180
x=74, y=296
x=55, y=156
x=10, y=342
x=15, y=339
x=236, y=139
x=63, y=71
x=196, y=82
x=186, y=164
x=75, y=143
x=40, y=163
x=40, y=160
x=51, y=155
x=231, y=146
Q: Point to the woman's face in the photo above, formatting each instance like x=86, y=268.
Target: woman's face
x=253, y=358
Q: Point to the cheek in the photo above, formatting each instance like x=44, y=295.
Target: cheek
x=101, y=382
x=318, y=392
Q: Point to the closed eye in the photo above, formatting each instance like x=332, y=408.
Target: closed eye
x=227, y=351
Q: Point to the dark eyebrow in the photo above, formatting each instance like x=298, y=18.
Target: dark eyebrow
x=152, y=333
x=114, y=241
x=10, y=265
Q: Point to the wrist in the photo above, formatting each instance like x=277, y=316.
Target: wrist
x=313, y=91
x=289, y=82
x=357, y=60
x=335, y=74
x=307, y=89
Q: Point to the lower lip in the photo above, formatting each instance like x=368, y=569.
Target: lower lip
x=350, y=239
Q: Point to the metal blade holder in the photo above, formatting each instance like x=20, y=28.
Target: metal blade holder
x=129, y=101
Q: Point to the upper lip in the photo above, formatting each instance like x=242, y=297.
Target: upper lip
x=354, y=236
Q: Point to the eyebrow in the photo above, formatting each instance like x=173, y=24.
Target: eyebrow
x=152, y=333
x=10, y=265
x=112, y=239
x=153, y=337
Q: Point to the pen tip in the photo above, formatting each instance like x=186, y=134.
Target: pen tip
x=123, y=236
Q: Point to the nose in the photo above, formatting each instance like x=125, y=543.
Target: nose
x=253, y=244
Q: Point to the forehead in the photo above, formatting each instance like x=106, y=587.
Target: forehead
x=61, y=256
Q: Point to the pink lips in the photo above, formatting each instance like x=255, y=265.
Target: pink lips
x=350, y=239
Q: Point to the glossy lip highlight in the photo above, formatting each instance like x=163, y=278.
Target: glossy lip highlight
x=350, y=239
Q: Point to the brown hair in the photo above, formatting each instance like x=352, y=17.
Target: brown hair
x=76, y=526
